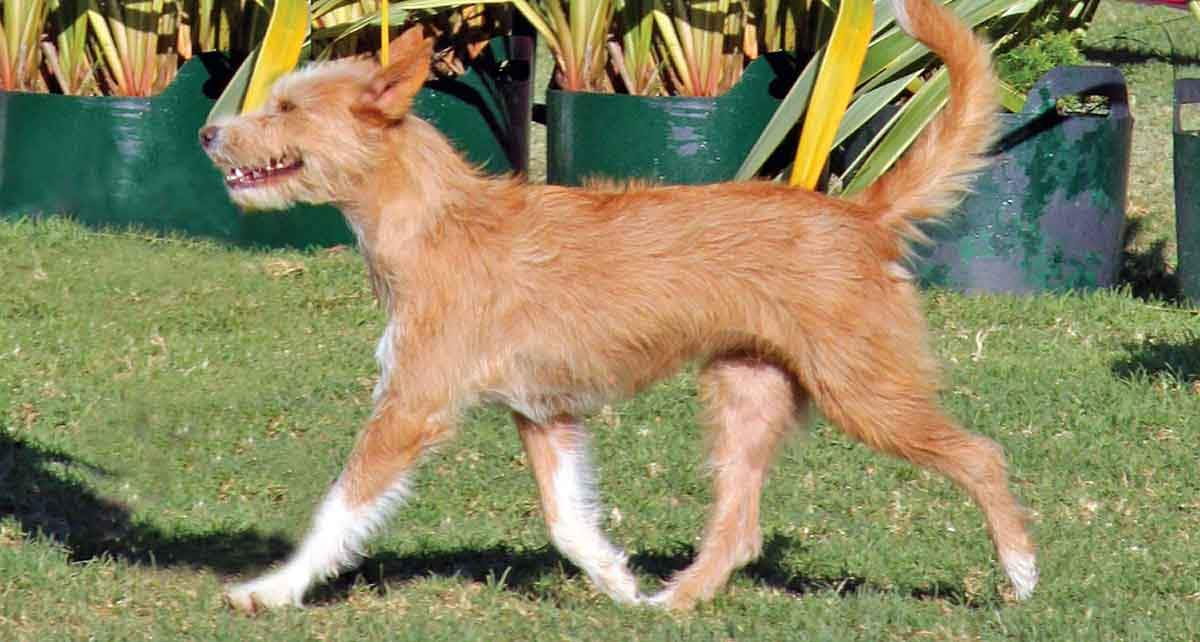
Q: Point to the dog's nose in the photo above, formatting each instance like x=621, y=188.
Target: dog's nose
x=208, y=135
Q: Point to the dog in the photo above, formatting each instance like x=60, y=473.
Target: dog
x=555, y=300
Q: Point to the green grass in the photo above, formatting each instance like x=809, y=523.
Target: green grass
x=171, y=411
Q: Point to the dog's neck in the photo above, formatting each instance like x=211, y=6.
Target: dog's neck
x=421, y=190
x=416, y=179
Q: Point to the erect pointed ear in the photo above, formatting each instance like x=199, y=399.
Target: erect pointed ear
x=389, y=93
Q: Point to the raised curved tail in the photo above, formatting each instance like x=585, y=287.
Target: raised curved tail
x=937, y=169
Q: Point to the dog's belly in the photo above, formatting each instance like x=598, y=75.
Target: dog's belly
x=542, y=406
x=544, y=388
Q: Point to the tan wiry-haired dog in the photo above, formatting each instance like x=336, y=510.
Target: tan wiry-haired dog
x=553, y=300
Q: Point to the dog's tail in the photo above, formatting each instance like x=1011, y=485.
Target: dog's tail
x=938, y=167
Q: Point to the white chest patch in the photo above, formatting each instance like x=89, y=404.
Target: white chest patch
x=385, y=354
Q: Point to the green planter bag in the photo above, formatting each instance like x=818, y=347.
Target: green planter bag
x=1048, y=214
x=1187, y=192
x=671, y=139
x=116, y=162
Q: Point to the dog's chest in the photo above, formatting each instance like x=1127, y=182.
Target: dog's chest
x=385, y=355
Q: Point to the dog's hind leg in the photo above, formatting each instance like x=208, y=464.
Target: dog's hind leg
x=557, y=453
x=879, y=388
x=749, y=406
x=373, y=482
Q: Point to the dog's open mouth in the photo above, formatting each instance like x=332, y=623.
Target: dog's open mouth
x=276, y=168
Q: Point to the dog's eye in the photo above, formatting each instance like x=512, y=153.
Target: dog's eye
x=285, y=106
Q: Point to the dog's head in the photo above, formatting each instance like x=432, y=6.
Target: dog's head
x=322, y=131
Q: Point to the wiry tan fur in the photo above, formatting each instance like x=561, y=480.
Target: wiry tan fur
x=554, y=300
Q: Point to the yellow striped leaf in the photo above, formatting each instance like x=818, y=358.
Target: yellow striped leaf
x=383, y=32
x=834, y=86
x=280, y=50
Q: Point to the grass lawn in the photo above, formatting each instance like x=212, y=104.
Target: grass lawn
x=171, y=411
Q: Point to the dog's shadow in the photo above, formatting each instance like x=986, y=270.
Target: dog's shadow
x=770, y=570
x=526, y=573
x=39, y=489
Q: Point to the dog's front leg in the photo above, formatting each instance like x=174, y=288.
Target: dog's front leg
x=373, y=482
x=557, y=453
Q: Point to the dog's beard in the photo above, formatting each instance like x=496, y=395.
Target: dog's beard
x=268, y=197
x=307, y=185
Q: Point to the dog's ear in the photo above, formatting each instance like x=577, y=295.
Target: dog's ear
x=389, y=93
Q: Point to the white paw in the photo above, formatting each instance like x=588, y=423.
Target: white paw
x=661, y=599
x=1022, y=572
x=671, y=599
x=619, y=584
x=270, y=591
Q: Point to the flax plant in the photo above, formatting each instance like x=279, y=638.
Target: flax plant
x=577, y=35
x=631, y=53
x=706, y=45
x=779, y=25
x=135, y=45
x=343, y=25
x=701, y=43
x=21, y=23
x=65, y=51
x=899, y=74
x=233, y=26
x=279, y=51
x=325, y=28
x=660, y=47
x=340, y=26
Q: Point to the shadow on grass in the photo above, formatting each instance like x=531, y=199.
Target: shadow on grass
x=518, y=571
x=524, y=572
x=1146, y=271
x=36, y=489
x=769, y=570
x=1178, y=358
x=1127, y=51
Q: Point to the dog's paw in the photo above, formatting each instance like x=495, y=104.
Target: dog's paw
x=267, y=592
x=671, y=600
x=618, y=583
